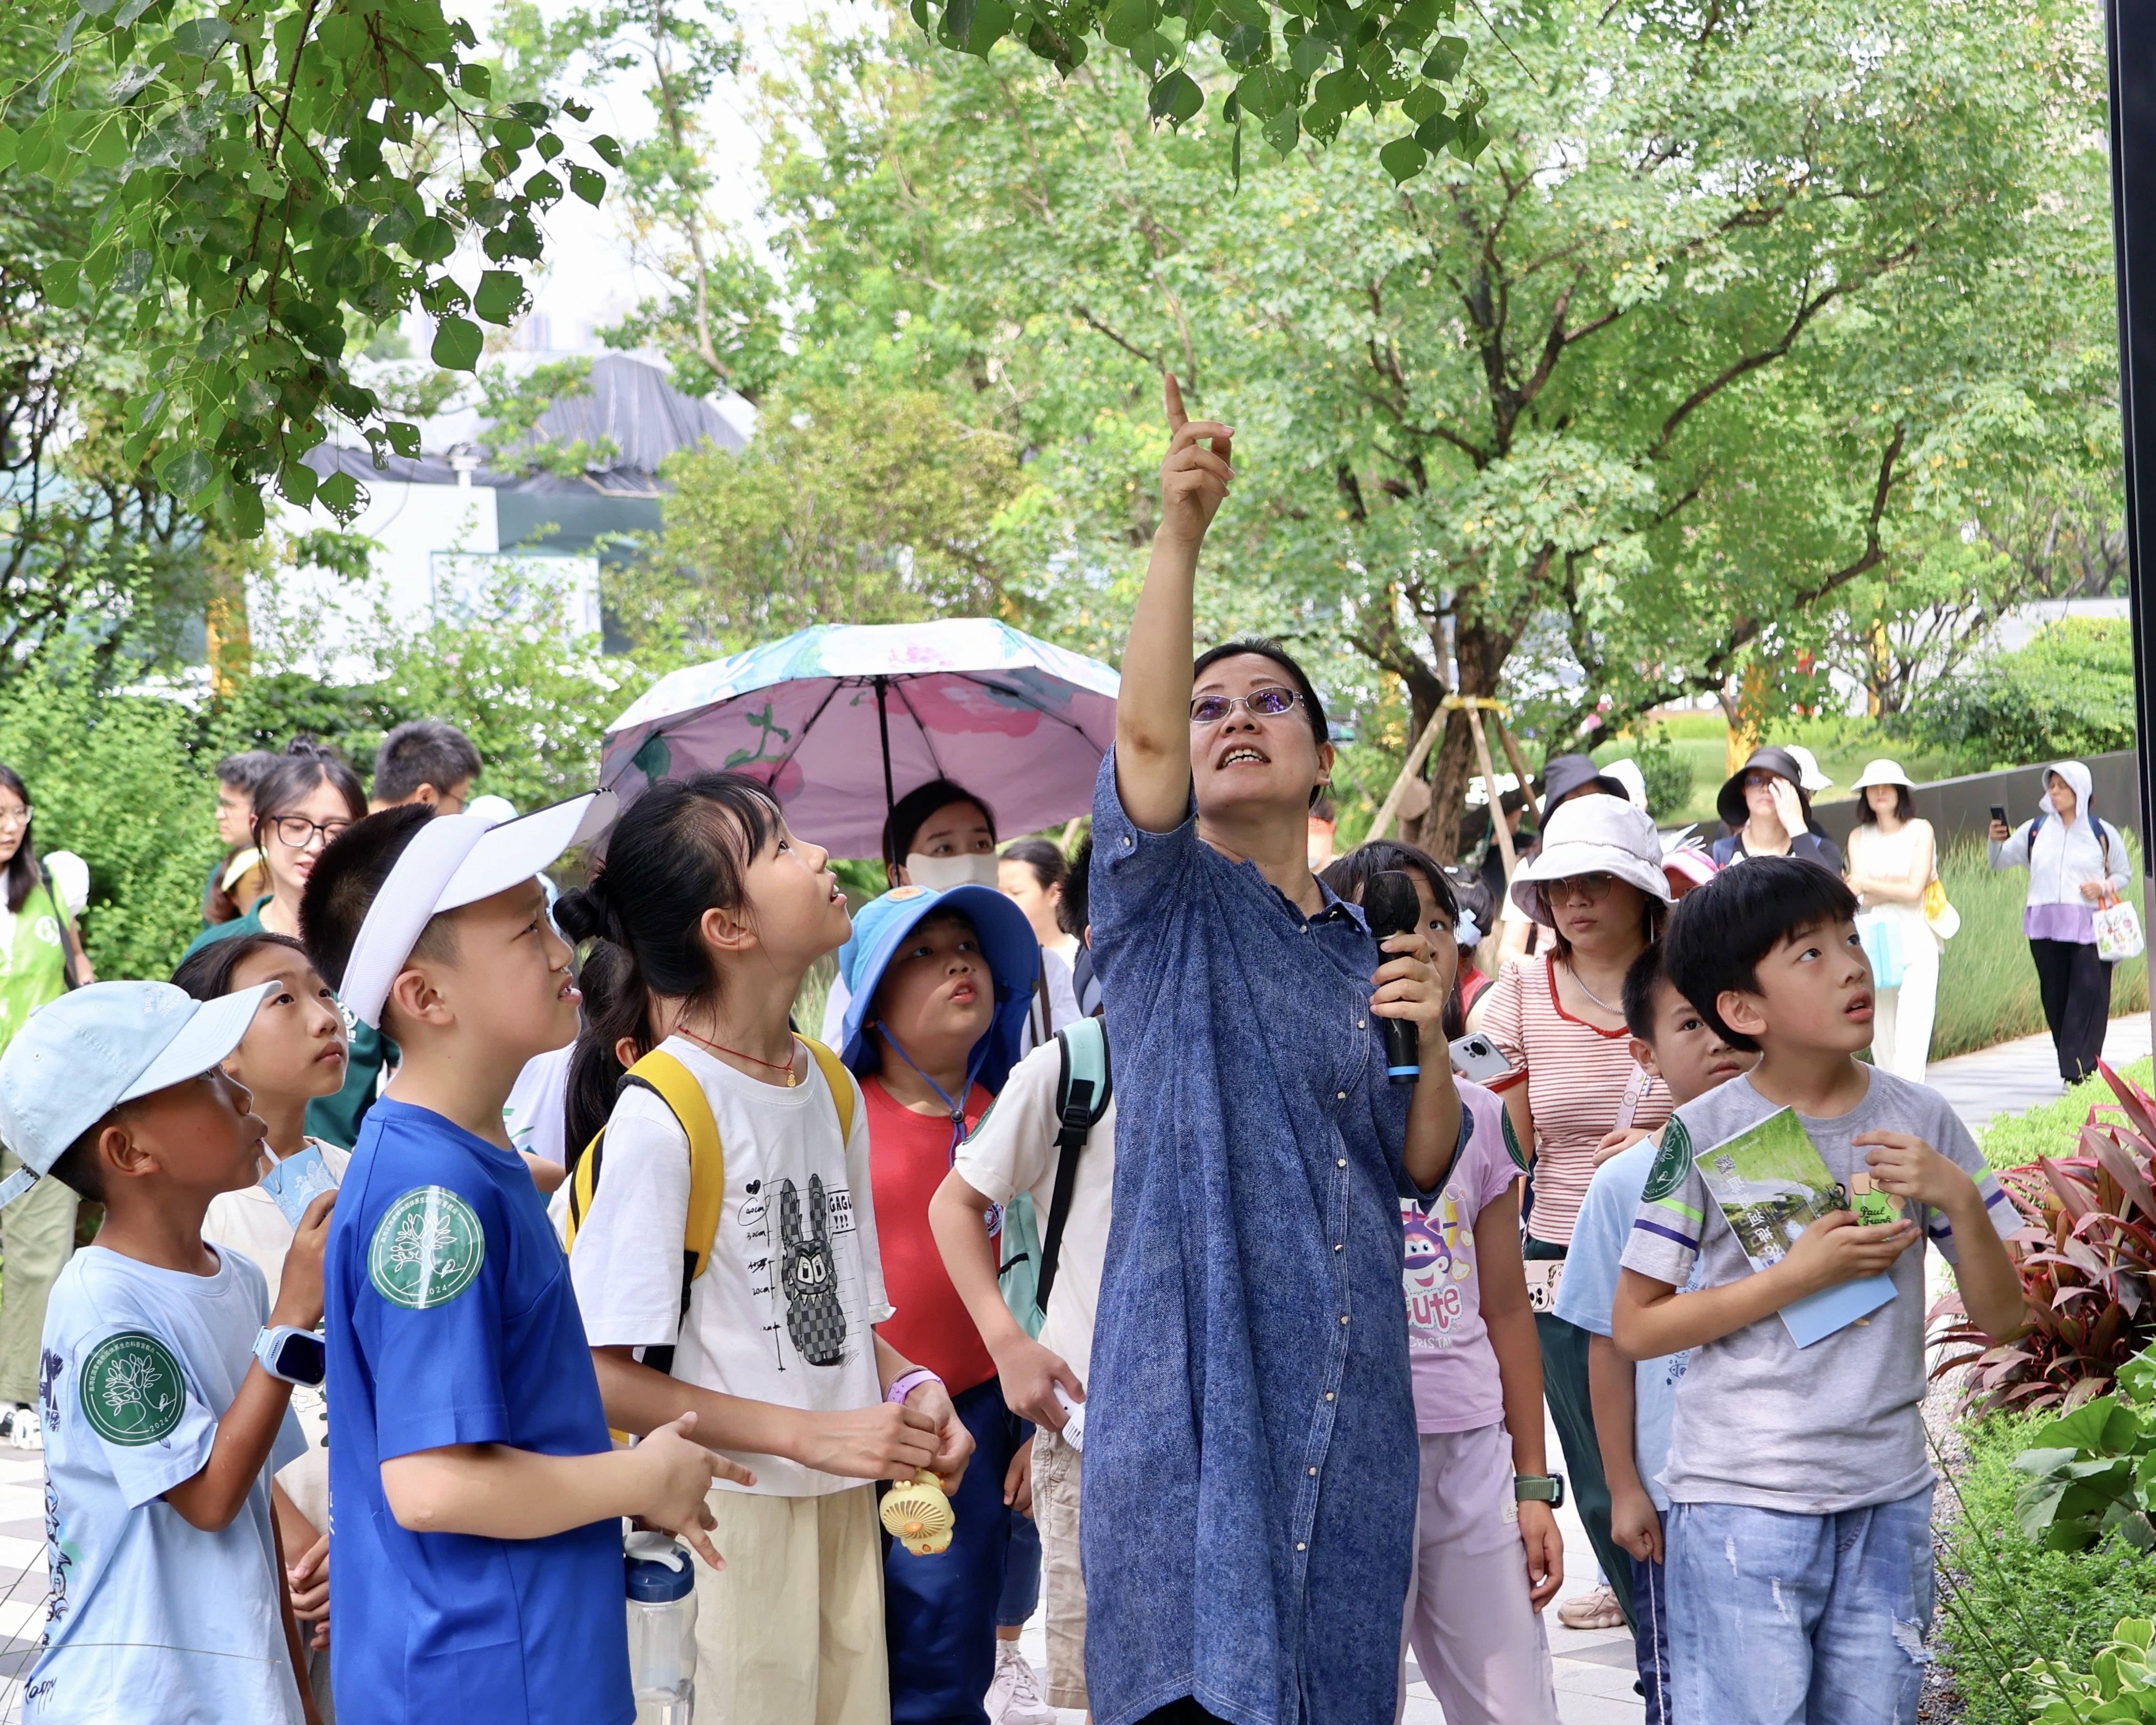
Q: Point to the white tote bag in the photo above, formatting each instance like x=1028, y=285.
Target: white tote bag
x=2118, y=931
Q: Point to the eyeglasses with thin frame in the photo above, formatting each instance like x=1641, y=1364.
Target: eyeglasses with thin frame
x=1594, y=888
x=1269, y=703
x=15, y=817
x=296, y=832
x=1759, y=779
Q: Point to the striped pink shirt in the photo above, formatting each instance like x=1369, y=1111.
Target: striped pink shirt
x=1579, y=1079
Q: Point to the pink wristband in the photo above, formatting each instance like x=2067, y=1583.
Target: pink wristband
x=906, y=1383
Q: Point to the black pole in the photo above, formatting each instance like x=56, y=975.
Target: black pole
x=891, y=801
x=2130, y=38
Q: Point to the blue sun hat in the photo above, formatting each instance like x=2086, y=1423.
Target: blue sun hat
x=1008, y=941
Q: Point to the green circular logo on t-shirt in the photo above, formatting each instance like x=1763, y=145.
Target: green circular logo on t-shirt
x=1672, y=1162
x=133, y=1391
x=427, y=1248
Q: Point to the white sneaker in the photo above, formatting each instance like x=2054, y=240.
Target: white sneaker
x=20, y=1426
x=1015, y=1698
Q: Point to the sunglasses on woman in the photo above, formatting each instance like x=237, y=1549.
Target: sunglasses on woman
x=1268, y=703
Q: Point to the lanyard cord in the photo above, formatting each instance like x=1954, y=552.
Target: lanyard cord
x=957, y=1113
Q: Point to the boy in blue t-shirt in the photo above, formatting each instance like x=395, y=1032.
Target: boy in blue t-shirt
x=1633, y=1404
x=475, y=1495
x=165, y=1377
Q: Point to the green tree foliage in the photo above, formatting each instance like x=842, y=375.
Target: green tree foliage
x=855, y=502
x=2068, y=692
x=1298, y=70
x=717, y=321
x=275, y=168
x=1707, y=335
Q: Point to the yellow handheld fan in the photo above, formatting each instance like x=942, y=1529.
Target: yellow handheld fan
x=918, y=1516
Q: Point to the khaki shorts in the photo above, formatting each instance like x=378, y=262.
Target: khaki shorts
x=790, y=1631
x=1055, y=1475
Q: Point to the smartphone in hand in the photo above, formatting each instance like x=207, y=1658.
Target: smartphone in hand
x=1999, y=812
x=1476, y=1057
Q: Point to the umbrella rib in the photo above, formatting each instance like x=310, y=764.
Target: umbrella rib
x=808, y=725
x=927, y=736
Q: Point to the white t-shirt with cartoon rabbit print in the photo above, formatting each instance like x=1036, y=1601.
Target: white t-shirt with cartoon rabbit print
x=786, y=1309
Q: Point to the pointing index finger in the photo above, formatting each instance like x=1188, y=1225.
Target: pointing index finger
x=1176, y=417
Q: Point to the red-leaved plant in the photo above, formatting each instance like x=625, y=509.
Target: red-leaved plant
x=2086, y=1251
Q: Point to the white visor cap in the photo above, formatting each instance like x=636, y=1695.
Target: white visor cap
x=454, y=860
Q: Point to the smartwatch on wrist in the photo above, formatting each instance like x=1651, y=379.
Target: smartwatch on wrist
x=1540, y=1488
x=293, y=1356
x=906, y=1383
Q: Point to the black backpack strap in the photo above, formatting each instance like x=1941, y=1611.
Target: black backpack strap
x=1081, y=1113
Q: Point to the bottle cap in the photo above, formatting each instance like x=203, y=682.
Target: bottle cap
x=658, y=1578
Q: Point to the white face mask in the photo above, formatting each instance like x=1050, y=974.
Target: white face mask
x=941, y=873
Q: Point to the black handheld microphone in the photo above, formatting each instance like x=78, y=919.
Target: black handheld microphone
x=1394, y=906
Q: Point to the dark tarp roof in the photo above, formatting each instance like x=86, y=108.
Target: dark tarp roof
x=629, y=402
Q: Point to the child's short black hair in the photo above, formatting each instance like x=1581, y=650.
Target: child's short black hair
x=1723, y=928
x=77, y=1167
x=1639, y=996
x=348, y=874
x=206, y=973
x=1073, y=910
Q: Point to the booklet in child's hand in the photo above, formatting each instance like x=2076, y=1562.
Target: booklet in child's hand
x=1772, y=1184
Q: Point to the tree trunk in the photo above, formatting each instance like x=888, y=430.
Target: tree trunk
x=1481, y=656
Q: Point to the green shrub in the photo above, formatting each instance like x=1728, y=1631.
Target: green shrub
x=119, y=780
x=1666, y=769
x=2053, y=1128
x=2005, y=1600
x=2069, y=692
x=2119, y=1689
x=1987, y=983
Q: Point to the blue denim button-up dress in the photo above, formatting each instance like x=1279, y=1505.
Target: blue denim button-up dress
x=1251, y=1455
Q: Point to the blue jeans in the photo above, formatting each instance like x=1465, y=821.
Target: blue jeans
x=1021, y=1592
x=1791, y=1619
x=1651, y=1648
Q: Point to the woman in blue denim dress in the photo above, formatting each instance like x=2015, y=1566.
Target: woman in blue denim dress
x=1250, y=1451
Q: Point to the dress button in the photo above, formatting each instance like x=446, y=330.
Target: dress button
x=1341, y=1162
x=1126, y=841
x=1361, y=1024
x=1328, y=1395
x=1340, y=1095
x=1338, y=1244
x=1344, y=1318
x=1313, y=1473
x=1300, y=1545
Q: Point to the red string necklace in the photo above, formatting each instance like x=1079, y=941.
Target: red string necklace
x=792, y=1077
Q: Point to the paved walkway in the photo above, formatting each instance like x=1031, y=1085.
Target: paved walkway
x=2014, y=1076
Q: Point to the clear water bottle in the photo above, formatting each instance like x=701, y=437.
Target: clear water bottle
x=662, y=1629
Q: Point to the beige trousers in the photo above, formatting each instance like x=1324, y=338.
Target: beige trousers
x=37, y=1238
x=790, y=1631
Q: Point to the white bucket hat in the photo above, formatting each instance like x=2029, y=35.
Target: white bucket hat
x=1593, y=835
x=1882, y=772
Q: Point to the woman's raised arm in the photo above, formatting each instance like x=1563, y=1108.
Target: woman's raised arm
x=1152, y=715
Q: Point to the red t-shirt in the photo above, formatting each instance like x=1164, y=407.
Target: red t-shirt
x=909, y=1155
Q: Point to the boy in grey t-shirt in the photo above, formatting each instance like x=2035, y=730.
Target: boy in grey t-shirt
x=1798, y=1542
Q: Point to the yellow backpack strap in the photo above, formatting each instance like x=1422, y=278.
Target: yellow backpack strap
x=842, y=1085
x=676, y=1086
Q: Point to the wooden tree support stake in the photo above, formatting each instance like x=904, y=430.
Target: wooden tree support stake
x=1381, y=823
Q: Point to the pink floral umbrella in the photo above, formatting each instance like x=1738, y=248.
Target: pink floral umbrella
x=842, y=719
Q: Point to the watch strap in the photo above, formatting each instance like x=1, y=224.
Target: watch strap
x=1539, y=1488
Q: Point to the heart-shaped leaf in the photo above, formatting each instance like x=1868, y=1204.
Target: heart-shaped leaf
x=458, y=344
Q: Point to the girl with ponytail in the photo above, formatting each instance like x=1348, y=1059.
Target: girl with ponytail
x=703, y=918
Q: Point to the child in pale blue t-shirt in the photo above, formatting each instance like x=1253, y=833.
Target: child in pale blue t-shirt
x=1634, y=1404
